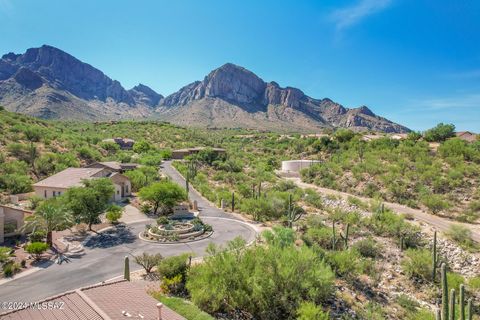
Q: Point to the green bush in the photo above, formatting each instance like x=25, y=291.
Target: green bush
x=321, y=236
x=368, y=247
x=418, y=264
x=345, y=263
x=461, y=235
x=310, y=311
x=440, y=133
x=114, y=213
x=173, y=266
x=37, y=249
x=267, y=282
x=474, y=283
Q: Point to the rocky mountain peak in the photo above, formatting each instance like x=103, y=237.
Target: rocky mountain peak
x=234, y=83
x=146, y=95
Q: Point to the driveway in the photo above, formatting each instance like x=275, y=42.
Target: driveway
x=104, y=259
x=439, y=223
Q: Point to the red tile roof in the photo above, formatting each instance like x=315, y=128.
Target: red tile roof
x=108, y=301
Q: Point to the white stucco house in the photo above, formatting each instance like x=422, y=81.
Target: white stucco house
x=72, y=177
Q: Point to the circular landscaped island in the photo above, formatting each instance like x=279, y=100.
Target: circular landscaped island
x=176, y=230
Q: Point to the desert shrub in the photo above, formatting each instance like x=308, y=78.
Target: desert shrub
x=10, y=268
x=268, y=282
x=407, y=303
x=114, y=213
x=461, y=235
x=440, y=133
x=418, y=264
x=37, y=236
x=173, y=266
x=368, y=247
x=435, y=203
x=163, y=220
x=344, y=263
x=172, y=286
x=148, y=261
x=310, y=311
x=37, y=249
x=88, y=153
x=321, y=236
x=16, y=183
x=474, y=283
x=454, y=281
x=313, y=199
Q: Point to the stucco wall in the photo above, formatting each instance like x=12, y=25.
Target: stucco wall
x=297, y=165
x=48, y=191
x=11, y=215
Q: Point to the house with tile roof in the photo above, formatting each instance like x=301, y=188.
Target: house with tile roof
x=72, y=177
x=106, y=301
x=114, y=166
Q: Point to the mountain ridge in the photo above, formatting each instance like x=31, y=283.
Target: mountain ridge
x=47, y=82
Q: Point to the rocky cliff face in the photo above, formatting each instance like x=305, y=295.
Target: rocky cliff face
x=29, y=81
x=248, y=97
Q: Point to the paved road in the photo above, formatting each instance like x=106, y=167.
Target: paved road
x=103, y=263
x=441, y=224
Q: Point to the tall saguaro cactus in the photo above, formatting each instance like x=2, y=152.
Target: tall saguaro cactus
x=461, y=302
x=233, y=201
x=444, y=292
x=293, y=214
x=451, y=310
x=470, y=309
x=126, y=270
x=435, y=257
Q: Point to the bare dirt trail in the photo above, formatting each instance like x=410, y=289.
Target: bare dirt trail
x=441, y=224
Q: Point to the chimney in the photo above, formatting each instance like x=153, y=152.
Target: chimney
x=159, y=307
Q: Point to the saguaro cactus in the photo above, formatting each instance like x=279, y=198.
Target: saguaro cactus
x=233, y=201
x=470, y=309
x=435, y=257
x=293, y=214
x=343, y=236
x=126, y=271
x=451, y=310
x=443, y=269
x=259, y=189
x=461, y=302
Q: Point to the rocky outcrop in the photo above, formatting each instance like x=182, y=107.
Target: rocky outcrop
x=49, y=82
x=248, y=97
x=145, y=95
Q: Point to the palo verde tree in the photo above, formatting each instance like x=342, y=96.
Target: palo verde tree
x=164, y=193
x=88, y=203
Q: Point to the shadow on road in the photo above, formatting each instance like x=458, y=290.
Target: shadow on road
x=111, y=238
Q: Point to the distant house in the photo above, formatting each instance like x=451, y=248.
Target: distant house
x=72, y=177
x=123, y=143
x=466, y=136
x=11, y=219
x=106, y=301
x=182, y=153
x=114, y=166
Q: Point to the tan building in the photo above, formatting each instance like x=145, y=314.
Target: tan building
x=123, y=143
x=11, y=219
x=114, y=166
x=182, y=153
x=466, y=136
x=106, y=301
x=72, y=177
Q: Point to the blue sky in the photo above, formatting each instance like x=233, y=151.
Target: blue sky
x=416, y=62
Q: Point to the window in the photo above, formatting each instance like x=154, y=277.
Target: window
x=126, y=189
x=45, y=193
x=54, y=193
x=118, y=192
